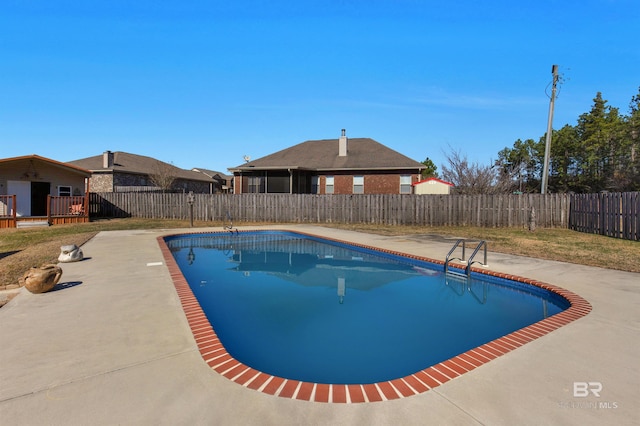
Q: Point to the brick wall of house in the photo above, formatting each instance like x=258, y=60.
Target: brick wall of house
x=101, y=183
x=106, y=182
x=189, y=185
x=380, y=183
x=129, y=179
x=374, y=183
x=343, y=184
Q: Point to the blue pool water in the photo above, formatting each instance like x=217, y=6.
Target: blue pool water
x=314, y=310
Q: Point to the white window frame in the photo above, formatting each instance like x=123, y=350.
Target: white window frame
x=405, y=184
x=358, y=184
x=64, y=191
x=329, y=185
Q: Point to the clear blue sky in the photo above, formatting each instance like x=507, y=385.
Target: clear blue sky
x=203, y=83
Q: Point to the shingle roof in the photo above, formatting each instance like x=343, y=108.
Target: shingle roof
x=125, y=162
x=212, y=173
x=74, y=168
x=362, y=154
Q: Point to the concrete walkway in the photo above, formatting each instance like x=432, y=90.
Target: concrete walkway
x=112, y=346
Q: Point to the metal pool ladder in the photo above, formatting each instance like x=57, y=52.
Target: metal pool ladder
x=230, y=226
x=467, y=269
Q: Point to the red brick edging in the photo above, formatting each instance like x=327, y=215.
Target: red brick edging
x=217, y=357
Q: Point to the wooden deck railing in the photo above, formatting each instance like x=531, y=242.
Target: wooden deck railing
x=73, y=209
x=66, y=206
x=7, y=206
x=7, y=211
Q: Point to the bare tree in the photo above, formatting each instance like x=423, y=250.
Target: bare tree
x=163, y=175
x=473, y=178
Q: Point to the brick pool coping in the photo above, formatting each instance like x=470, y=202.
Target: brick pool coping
x=217, y=358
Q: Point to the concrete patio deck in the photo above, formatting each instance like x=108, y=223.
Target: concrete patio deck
x=112, y=346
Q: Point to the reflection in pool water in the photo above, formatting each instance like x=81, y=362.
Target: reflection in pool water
x=314, y=310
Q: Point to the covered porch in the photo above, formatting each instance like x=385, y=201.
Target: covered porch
x=37, y=191
x=59, y=210
x=292, y=180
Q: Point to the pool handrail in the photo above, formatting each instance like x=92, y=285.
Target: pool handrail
x=467, y=270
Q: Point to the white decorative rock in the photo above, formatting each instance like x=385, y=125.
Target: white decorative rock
x=70, y=253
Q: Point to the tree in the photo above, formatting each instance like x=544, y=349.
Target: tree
x=601, y=152
x=563, y=175
x=519, y=167
x=599, y=132
x=508, y=169
x=430, y=171
x=632, y=135
x=472, y=178
x=163, y=175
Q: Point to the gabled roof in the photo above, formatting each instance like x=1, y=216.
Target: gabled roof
x=212, y=173
x=322, y=155
x=125, y=162
x=433, y=179
x=33, y=157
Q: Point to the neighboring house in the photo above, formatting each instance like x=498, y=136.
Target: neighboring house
x=432, y=186
x=221, y=182
x=329, y=166
x=38, y=189
x=124, y=172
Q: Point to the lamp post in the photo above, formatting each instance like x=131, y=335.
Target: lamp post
x=191, y=199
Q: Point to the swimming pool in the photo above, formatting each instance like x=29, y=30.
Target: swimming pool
x=309, y=313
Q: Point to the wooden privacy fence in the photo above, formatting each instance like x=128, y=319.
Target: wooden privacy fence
x=551, y=210
x=611, y=214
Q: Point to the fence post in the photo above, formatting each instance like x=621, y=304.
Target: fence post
x=532, y=219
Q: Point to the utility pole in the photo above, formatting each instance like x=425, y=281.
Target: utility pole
x=547, y=145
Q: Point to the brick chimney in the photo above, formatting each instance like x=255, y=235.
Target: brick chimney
x=107, y=159
x=342, y=144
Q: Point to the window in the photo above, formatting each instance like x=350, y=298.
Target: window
x=358, y=184
x=405, y=184
x=278, y=183
x=256, y=184
x=315, y=184
x=64, y=191
x=328, y=188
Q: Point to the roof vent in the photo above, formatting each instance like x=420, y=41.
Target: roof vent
x=342, y=144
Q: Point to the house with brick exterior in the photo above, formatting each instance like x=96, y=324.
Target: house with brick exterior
x=330, y=166
x=124, y=172
x=222, y=182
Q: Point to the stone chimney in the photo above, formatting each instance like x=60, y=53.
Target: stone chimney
x=107, y=159
x=342, y=144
